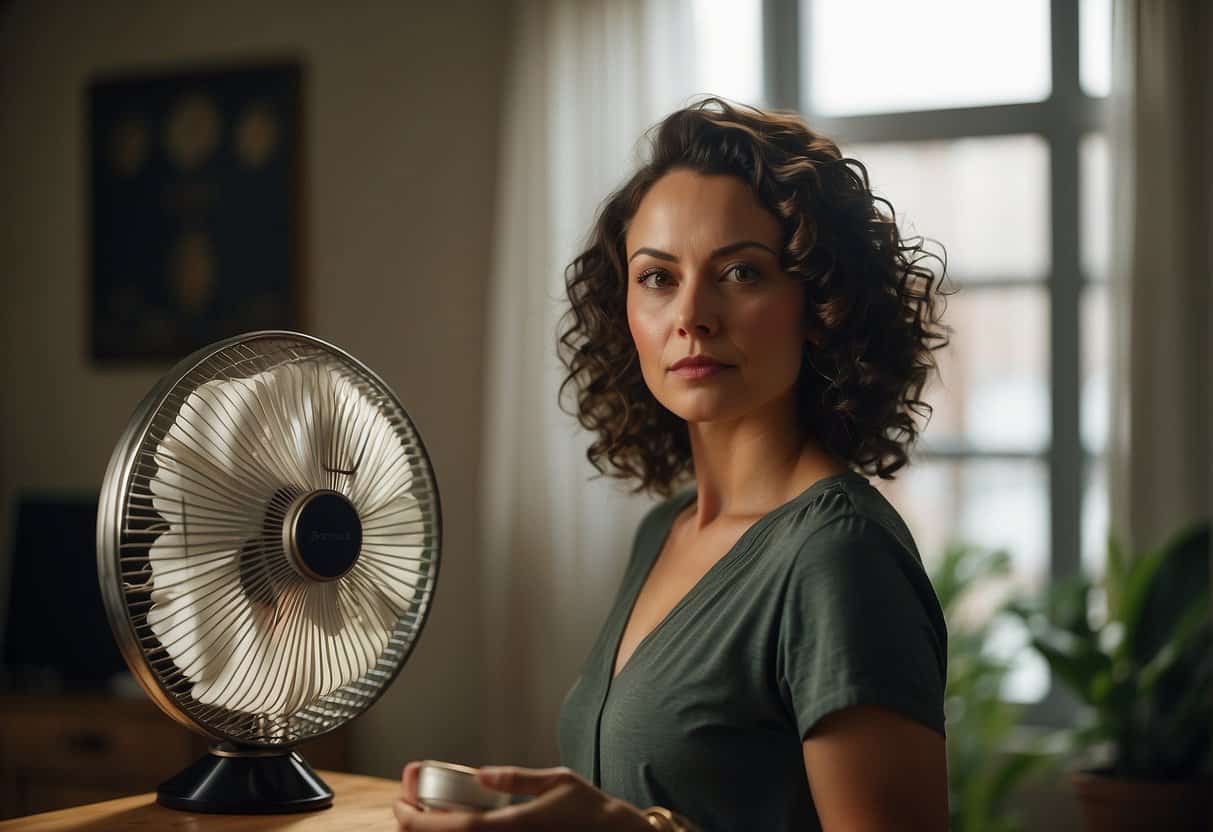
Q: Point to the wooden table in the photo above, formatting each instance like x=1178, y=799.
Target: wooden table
x=359, y=803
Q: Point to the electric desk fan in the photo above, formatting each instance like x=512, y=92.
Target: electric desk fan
x=268, y=542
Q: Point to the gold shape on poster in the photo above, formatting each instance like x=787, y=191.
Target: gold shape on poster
x=256, y=135
x=193, y=271
x=128, y=146
x=192, y=132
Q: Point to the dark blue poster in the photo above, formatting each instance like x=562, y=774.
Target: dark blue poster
x=195, y=207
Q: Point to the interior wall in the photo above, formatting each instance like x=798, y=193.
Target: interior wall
x=401, y=106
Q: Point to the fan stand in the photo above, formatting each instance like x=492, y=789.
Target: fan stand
x=244, y=780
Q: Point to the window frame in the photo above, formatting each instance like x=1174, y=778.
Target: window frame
x=1062, y=121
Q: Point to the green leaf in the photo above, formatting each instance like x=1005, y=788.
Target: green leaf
x=1192, y=714
x=1192, y=630
x=1074, y=660
x=1066, y=605
x=1136, y=588
x=964, y=566
x=1181, y=577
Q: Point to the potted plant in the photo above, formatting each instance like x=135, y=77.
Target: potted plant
x=1143, y=673
x=983, y=770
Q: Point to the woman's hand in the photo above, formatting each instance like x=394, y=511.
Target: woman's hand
x=563, y=800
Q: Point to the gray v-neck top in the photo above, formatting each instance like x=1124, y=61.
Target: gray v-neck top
x=820, y=605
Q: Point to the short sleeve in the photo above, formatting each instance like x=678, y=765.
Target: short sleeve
x=860, y=625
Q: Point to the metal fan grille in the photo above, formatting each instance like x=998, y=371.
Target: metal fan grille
x=221, y=629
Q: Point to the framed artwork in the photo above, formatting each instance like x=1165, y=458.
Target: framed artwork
x=195, y=208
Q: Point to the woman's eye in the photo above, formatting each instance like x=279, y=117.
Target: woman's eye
x=744, y=273
x=643, y=279
x=740, y=272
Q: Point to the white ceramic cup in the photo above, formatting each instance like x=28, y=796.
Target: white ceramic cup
x=453, y=787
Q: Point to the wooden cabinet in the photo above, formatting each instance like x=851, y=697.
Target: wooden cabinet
x=59, y=751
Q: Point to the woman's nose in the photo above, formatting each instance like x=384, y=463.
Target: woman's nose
x=696, y=311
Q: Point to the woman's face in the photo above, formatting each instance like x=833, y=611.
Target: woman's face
x=704, y=278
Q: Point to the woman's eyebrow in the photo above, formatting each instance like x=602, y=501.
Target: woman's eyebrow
x=720, y=252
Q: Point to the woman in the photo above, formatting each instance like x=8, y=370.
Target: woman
x=746, y=319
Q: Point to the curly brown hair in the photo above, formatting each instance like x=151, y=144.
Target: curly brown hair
x=871, y=300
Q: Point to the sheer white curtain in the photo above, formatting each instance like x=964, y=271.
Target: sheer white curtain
x=1160, y=452
x=587, y=78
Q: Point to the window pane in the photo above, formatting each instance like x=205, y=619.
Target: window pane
x=728, y=48
x=1095, y=46
x=992, y=390
x=1095, y=412
x=995, y=503
x=869, y=56
x=1094, y=205
x=1095, y=518
x=1094, y=404
x=986, y=200
x=989, y=503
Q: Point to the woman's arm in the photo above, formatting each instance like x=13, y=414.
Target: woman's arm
x=871, y=770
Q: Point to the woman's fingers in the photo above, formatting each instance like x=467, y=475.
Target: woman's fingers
x=518, y=780
x=409, y=819
x=408, y=783
x=403, y=813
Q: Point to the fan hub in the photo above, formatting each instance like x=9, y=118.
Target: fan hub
x=322, y=535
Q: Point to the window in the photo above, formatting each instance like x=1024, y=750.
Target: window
x=727, y=38
x=982, y=122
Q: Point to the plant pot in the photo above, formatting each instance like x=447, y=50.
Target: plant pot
x=1111, y=804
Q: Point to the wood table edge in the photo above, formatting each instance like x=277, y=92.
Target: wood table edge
x=344, y=785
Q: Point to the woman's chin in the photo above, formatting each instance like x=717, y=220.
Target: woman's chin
x=705, y=412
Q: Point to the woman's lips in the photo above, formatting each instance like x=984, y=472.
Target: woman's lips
x=697, y=371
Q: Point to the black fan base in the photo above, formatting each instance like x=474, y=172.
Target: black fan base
x=246, y=784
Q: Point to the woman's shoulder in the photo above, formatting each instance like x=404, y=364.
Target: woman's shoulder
x=848, y=515
x=848, y=553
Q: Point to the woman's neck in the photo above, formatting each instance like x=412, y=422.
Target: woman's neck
x=748, y=467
